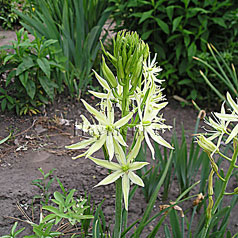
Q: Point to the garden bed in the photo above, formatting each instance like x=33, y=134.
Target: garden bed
x=40, y=141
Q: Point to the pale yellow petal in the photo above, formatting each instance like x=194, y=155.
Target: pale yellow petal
x=134, y=152
x=110, y=145
x=97, y=145
x=123, y=120
x=81, y=144
x=135, y=179
x=102, y=81
x=98, y=115
x=232, y=103
x=125, y=189
x=147, y=139
x=111, y=178
x=105, y=163
x=137, y=165
x=120, y=154
x=233, y=134
x=159, y=139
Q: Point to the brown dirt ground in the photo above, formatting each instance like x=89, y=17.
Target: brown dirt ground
x=39, y=141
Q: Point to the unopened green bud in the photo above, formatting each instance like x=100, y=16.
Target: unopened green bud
x=120, y=71
x=137, y=72
x=236, y=190
x=124, y=56
x=109, y=76
x=207, y=145
x=210, y=183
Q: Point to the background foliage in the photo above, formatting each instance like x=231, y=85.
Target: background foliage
x=28, y=74
x=179, y=30
x=8, y=18
x=77, y=26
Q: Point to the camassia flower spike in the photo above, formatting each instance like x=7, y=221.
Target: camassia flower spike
x=103, y=133
x=124, y=168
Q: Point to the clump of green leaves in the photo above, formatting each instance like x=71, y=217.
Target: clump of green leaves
x=177, y=31
x=60, y=213
x=30, y=67
x=77, y=26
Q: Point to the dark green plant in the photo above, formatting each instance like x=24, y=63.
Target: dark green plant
x=8, y=18
x=177, y=31
x=44, y=229
x=77, y=26
x=30, y=67
x=44, y=184
x=68, y=208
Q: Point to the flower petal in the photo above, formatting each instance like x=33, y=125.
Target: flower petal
x=105, y=163
x=97, y=94
x=81, y=144
x=232, y=103
x=147, y=139
x=214, y=136
x=125, y=189
x=79, y=156
x=102, y=81
x=138, y=106
x=123, y=120
x=134, y=152
x=226, y=117
x=98, y=115
x=233, y=134
x=135, y=179
x=111, y=178
x=120, y=154
x=97, y=145
x=137, y=165
x=110, y=112
x=110, y=145
x=158, y=139
x=117, y=136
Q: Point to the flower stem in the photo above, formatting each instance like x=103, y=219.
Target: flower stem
x=118, y=218
x=119, y=193
x=223, y=188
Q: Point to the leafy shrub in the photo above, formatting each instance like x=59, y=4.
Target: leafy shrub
x=77, y=26
x=8, y=18
x=30, y=67
x=179, y=30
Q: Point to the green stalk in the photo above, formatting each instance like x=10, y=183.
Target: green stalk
x=223, y=189
x=182, y=227
x=228, y=175
x=119, y=193
x=118, y=205
x=191, y=221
